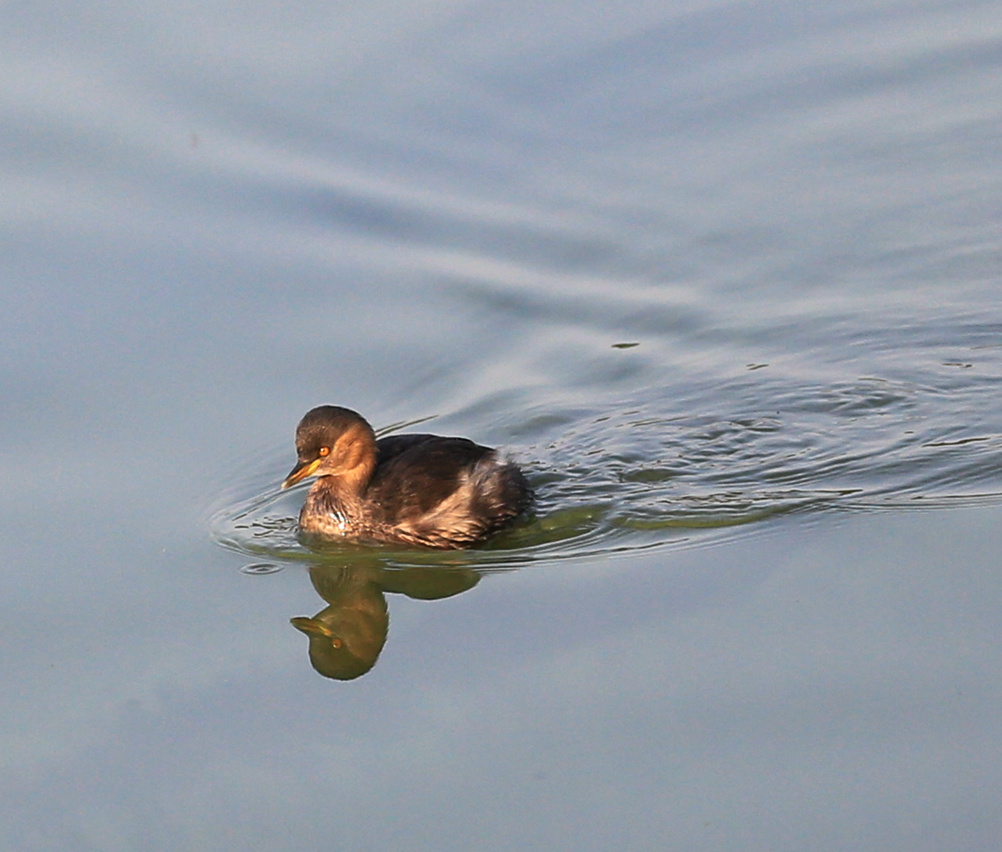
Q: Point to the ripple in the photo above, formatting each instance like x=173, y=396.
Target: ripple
x=261, y=568
x=644, y=473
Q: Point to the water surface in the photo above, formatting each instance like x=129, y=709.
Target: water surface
x=721, y=276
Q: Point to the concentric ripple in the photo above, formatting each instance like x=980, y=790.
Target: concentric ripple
x=647, y=472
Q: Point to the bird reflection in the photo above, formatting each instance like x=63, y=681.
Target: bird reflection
x=347, y=636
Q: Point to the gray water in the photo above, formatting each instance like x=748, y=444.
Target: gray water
x=723, y=279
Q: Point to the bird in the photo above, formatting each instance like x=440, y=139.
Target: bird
x=412, y=489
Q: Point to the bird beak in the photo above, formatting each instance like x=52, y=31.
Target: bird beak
x=300, y=472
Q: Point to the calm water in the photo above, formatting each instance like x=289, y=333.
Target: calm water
x=721, y=277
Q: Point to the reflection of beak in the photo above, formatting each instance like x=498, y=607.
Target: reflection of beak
x=300, y=472
x=311, y=627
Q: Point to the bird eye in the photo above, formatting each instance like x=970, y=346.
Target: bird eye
x=324, y=451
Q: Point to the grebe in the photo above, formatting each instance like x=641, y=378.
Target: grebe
x=422, y=490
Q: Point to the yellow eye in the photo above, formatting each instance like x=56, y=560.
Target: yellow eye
x=324, y=451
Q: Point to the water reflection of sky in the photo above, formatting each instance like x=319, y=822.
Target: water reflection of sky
x=214, y=219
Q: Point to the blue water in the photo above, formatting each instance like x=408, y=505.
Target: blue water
x=721, y=277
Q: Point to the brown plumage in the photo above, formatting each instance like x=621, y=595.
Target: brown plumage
x=414, y=489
